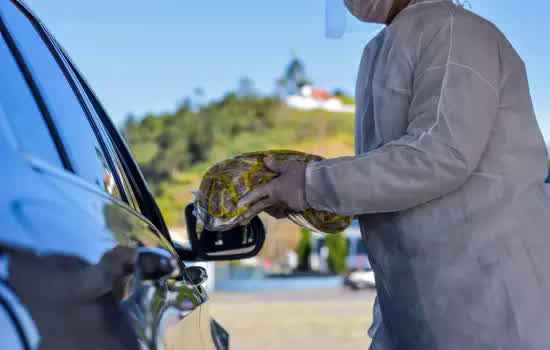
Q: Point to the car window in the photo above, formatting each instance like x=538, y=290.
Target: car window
x=114, y=163
x=138, y=191
x=71, y=121
x=127, y=184
x=22, y=112
x=122, y=169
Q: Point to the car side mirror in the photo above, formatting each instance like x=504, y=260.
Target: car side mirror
x=241, y=242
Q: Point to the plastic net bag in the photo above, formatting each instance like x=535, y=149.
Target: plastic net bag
x=224, y=184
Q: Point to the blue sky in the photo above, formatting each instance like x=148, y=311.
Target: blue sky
x=142, y=56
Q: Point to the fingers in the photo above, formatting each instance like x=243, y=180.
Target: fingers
x=256, y=209
x=254, y=195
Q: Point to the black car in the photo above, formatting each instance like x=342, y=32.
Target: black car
x=71, y=197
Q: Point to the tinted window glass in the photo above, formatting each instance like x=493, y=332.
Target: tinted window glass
x=129, y=190
x=107, y=148
x=132, y=199
x=76, y=132
x=22, y=112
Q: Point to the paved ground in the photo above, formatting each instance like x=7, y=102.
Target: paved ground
x=327, y=319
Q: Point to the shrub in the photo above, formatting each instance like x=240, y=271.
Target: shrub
x=304, y=250
x=337, y=252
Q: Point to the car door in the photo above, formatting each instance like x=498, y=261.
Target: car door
x=77, y=202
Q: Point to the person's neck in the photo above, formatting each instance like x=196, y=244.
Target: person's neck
x=398, y=6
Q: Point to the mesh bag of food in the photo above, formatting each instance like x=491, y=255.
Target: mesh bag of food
x=224, y=184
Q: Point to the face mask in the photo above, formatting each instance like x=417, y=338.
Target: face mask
x=374, y=11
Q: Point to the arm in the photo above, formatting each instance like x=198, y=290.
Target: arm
x=452, y=112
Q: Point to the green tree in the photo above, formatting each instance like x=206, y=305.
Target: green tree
x=303, y=250
x=337, y=252
x=294, y=77
x=164, y=145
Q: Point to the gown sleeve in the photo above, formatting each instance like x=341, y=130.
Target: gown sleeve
x=452, y=112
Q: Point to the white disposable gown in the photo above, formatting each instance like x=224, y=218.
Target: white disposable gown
x=448, y=185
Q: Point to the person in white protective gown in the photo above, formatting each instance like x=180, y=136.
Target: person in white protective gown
x=448, y=183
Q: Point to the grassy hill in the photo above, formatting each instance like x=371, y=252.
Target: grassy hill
x=175, y=149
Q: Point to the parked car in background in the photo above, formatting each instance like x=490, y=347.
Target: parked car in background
x=360, y=279
x=360, y=274
x=72, y=198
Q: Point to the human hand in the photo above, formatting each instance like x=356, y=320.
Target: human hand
x=285, y=192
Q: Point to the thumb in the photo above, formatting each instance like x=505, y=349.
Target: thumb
x=278, y=166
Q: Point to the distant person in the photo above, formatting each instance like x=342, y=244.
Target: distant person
x=448, y=182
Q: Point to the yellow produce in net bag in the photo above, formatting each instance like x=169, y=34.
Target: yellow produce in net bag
x=224, y=184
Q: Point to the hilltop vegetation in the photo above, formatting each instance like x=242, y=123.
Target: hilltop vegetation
x=174, y=149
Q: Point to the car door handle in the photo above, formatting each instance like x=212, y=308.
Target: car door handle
x=154, y=264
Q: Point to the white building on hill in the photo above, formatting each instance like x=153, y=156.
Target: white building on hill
x=314, y=98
